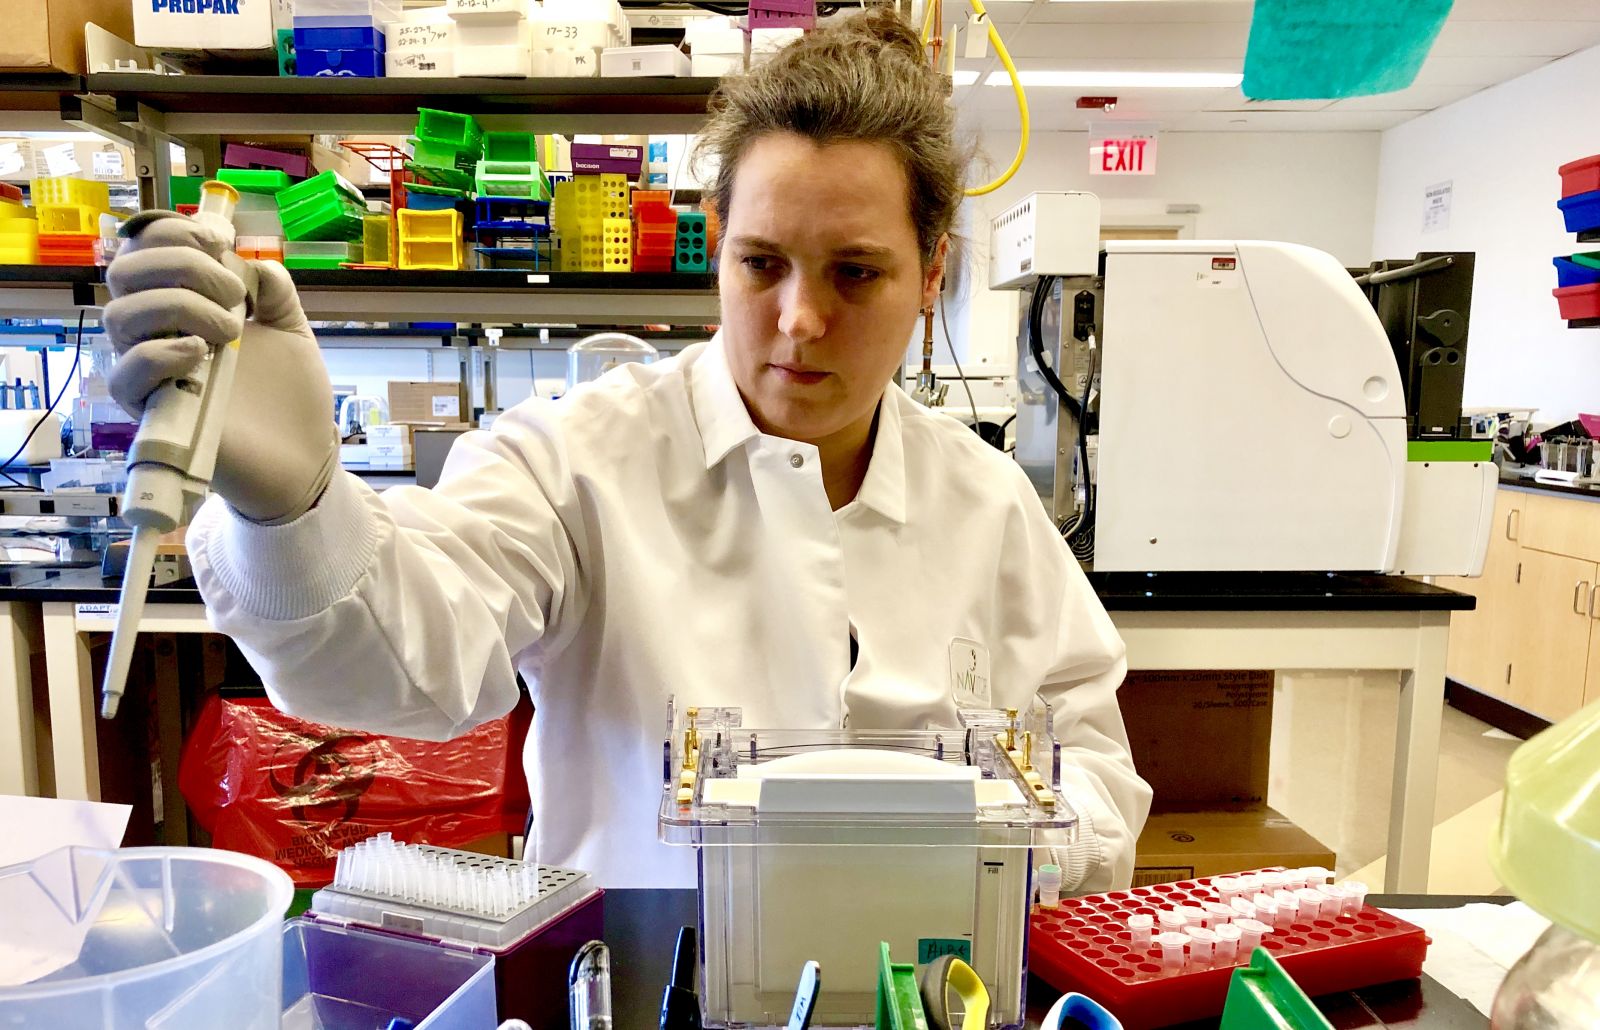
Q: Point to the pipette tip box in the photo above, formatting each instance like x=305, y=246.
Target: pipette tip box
x=1085, y=945
x=533, y=928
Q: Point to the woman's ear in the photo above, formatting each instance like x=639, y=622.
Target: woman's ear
x=933, y=279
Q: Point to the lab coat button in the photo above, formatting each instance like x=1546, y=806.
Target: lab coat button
x=796, y=461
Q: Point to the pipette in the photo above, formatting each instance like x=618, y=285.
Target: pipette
x=171, y=461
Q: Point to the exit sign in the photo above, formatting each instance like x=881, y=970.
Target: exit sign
x=1123, y=155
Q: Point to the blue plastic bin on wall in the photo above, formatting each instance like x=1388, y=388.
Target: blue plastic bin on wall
x=1570, y=273
x=1582, y=211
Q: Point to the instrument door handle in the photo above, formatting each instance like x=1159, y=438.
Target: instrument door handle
x=1514, y=516
x=1577, y=592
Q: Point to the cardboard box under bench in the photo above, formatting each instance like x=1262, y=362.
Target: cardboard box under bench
x=47, y=35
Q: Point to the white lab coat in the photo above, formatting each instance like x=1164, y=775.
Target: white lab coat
x=640, y=539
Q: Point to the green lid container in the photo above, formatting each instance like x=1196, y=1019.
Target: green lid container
x=1548, y=848
x=324, y=207
x=265, y=181
x=450, y=129
x=1591, y=259
x=184, y=189
x=511, y=146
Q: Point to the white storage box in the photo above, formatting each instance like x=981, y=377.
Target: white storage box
x=495, y=50
x=349, y=12
x=257, y=223
x=661, y=60
x=489, y=10
x=422, y=44
x=389, y=434
x=203, y=24
x=565, y=62
x=714, y=66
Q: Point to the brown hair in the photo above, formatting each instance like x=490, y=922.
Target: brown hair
x=863, y=78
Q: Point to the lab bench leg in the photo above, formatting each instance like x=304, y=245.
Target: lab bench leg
x=169, y=726
x=72, y=704
x=19, y=763
x=1416, y=760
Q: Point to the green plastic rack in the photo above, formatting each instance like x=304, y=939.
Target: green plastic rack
x=266, y=181
x=324, y=207
x=1262, y=996
x=899, y=1000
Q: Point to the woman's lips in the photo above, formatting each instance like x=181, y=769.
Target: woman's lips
x=798, y=374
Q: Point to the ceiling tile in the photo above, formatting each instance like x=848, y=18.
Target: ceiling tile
x=1292, y=121
x=1123, y=12
x=1177, y=42
x=1525, y=10
x=1417, y=98
x=1235, y=100
x=1474, y=71
x=1519, y=39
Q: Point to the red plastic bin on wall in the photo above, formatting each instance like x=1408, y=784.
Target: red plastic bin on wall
x=1083, y=945
x=1578, y=301
x=1580, y=176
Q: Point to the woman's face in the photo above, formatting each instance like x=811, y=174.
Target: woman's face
x=821, y=280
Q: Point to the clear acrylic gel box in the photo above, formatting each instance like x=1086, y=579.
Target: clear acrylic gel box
x=823, y=844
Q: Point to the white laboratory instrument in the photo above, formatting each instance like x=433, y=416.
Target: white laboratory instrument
x=829, y=843
x=171, y=462
x=1252, y=414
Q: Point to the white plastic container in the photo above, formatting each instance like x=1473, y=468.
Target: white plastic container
x=349, y=12
x=421, y=45
x=183, y=24
x=145, y=937
x=714, y=66
x=491, y=10
x=660, y=59
x=43, y=446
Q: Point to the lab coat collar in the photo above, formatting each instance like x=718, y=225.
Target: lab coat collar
x=718, y=409
x=725, y=424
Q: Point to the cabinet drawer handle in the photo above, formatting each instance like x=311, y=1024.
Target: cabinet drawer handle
x=1514, y=515
x=1594, y=599
x=1577, y=593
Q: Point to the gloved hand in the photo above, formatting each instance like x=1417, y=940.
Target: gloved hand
x=174, y=285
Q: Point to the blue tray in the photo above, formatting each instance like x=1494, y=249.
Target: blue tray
x=429, y=201
x=1570, y=273
x=359, y=64
x=1582, y=211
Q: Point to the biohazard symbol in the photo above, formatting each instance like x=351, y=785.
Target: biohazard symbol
x=328, y=778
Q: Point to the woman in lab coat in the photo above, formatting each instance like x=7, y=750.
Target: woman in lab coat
x=764, y=521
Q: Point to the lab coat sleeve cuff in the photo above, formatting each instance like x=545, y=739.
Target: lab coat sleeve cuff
x=290, y=571
x=1083, y=857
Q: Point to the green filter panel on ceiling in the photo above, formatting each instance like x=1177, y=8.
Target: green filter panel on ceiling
x=1331, y=49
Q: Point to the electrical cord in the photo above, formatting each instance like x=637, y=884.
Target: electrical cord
x=950, y=345
x=77, y=355
x=1079, y=529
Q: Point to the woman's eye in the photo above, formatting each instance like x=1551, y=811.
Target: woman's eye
x=758, y=263
x=857, y=273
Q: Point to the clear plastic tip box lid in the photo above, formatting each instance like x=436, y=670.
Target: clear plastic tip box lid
x=992, y=781
x=828, y=844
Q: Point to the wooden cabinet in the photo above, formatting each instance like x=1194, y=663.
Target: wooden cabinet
x=1534, y=639
x=1480, y=640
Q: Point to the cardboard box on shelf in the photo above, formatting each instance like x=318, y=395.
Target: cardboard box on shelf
x=427, y=401
x=1182, y=845
x=47, y=35
x=204, y=24
x=1177, y=725
x=403, y=434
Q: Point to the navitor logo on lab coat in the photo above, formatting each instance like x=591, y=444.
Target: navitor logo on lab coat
x=969, y=673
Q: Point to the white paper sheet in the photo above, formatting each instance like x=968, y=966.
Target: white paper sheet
x=36, y=938
x=1474, y=945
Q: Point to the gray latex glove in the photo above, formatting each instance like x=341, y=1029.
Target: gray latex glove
x=174, y=285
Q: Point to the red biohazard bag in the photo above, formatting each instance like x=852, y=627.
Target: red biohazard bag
x=295, y=792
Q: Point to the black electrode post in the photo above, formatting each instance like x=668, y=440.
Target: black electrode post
x=680, y=1005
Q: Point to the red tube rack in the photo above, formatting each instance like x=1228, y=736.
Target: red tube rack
x=1084, y=945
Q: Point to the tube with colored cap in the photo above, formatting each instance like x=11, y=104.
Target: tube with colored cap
x=170, y=462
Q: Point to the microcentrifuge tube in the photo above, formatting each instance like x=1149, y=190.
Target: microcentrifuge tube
x=1228, y=944
x=1243, y=908
x=1218, y=914
x=1336, y=900
x=1172, y=920
x=1310, y=903
x=1251, y=931
x=1193, y=915
x=1288, y=906
x=1227, y=888
x=1316, y=876
x=1201, y=943
x=1358, y=896
x=1140, y=925
x=1267, y=910
x=1250, y=884
x=1171, y=945
x=1271, y=881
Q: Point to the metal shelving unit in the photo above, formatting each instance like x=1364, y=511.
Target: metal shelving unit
x=585, y=298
